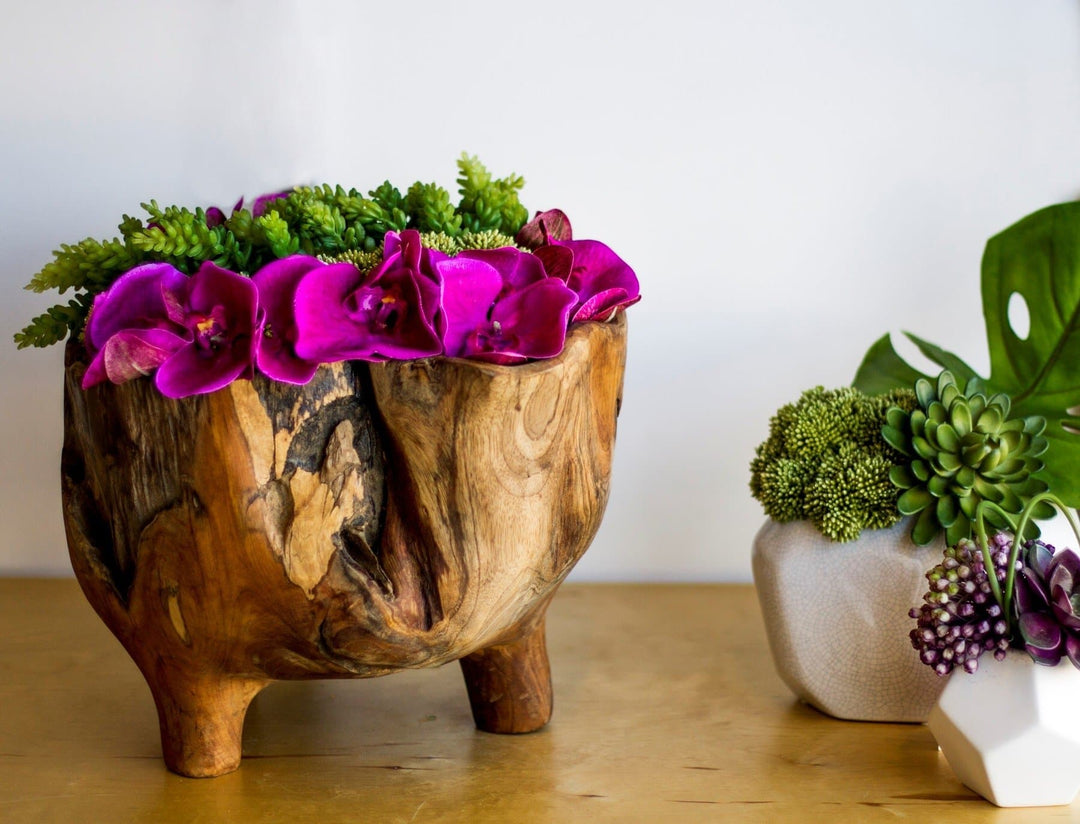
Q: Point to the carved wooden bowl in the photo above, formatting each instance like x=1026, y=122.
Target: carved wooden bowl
x=382, y=517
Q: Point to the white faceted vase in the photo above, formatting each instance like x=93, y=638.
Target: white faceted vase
x=1011, y=731
x=836, y=615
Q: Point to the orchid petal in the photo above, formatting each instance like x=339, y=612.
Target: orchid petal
x=470, y=286
x=133, y=301
x=598, y=270
x=130, y=354
x=258, y=208
x=275, y=353
x=190, y=372
x=537, y=317
x=602, y=305
x=340, y=315
x=516, y=268
x=544, y=228
x=558, y=261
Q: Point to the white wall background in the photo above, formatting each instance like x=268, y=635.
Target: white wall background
x=789, y=180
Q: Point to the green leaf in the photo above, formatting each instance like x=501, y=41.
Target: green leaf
x=1038, y=259
x=882, y=370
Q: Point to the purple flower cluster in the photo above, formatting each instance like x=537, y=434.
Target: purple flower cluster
x=961, y=619
x=198, y=333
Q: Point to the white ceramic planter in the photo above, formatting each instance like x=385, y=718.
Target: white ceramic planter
x=1011, y=731
x=837, y=619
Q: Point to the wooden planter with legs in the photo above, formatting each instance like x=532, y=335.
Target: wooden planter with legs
x=382, y=517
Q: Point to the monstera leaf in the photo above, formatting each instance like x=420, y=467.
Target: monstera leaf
x=1038, y=259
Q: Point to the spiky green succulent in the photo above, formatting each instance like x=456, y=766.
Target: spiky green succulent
x=962, y=448
x=826, y=462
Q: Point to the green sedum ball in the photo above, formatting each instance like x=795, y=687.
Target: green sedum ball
x=825, y=461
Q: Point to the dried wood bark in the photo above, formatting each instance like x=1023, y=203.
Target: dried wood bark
x=382, y=517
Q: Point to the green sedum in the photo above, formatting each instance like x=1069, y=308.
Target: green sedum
x=825, y=461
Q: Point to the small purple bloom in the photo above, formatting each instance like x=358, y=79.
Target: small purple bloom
x=389, y=314
x=129, y=332
x=544, y=228
x=258, y=208
x=215, y=217
x=500, y=308
x=601, y=279
x=220, y=311
x=275, y=354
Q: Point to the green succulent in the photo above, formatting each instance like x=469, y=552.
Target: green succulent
x=961, y=449
x=826, y=462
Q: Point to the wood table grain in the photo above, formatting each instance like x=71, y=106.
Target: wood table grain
x=667, y=709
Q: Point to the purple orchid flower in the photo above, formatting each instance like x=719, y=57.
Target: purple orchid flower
x=500, y=307
x=603, y=282
x=275, y=354
x=220, y=311
x=129, y=332
x=391, y=313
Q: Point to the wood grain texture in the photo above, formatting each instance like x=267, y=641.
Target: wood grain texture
x=398, y=516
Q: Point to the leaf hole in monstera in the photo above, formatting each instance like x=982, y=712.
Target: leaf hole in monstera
x=1019, y=316
x=1072, y=423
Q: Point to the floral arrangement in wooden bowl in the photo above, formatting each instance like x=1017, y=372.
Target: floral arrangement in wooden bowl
x=866, y=485
x=335, y=435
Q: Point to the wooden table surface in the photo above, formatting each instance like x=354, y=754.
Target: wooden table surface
x=667, y=709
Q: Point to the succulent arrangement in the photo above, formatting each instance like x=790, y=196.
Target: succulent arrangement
x=313, y=275
x=847, y=461
x=1030, y=601
x=957, y=439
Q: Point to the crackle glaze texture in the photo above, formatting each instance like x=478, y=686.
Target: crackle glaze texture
x=837, y=620
x=1011, y=732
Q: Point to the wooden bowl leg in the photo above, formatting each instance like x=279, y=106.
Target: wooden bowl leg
x=202, y=722
x=509, y=685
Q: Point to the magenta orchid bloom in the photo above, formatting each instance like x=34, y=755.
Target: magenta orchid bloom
x=220, y=311
x=388, y=314
x=275, y=354
x=601, y=279
x=129, y=333
x=404, y=250
x=500, y=307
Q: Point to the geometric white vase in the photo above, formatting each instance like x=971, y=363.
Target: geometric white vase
x=836, y=615
x=1011, y=730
